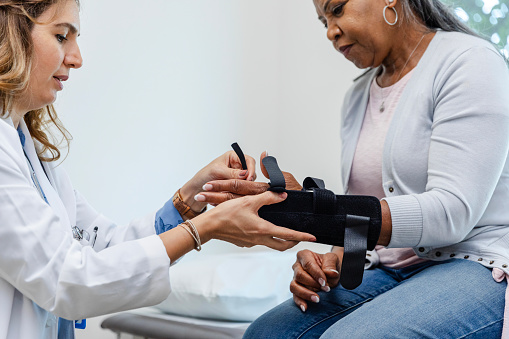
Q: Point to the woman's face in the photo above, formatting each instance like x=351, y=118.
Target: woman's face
x=357, y=29
x=56, y=51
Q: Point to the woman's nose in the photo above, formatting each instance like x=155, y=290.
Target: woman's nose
x=333, y=32
x=73, y=59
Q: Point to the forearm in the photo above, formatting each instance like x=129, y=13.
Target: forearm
x=386, y=231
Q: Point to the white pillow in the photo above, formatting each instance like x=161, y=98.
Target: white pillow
x=236, y=287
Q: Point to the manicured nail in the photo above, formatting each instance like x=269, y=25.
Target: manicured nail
x=207, y=187
x=315, y=299
x=330, y=269
x=321, y=282
x=326, y=288
x=242, y=173
x=266, y=153
x=302, y=308
x=199, y=197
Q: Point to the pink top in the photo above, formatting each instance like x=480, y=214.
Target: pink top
x=366, y=173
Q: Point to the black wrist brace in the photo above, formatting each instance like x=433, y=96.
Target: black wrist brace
x=349, y=221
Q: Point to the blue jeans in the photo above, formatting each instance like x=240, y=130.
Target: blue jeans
x=450, y=299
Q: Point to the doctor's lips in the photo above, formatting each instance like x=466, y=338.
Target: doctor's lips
x=59, y=79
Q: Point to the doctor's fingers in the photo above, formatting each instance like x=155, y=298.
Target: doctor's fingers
x=235, y=163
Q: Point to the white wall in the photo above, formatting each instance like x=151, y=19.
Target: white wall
x=168, y=85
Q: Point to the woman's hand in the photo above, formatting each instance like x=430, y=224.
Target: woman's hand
x=237, y=221
x=219, y=191
x=227, y=166
x=313, y=272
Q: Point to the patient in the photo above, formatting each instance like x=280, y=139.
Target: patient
x=425, y=130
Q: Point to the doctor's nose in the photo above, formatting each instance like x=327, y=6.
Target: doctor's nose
x=73, y=59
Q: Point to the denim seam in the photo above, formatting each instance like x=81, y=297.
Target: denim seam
x=482, y=328
x=333, y=315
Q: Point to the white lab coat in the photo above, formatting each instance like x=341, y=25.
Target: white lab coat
x=44, y=272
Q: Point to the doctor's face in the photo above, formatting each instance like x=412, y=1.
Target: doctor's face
x=55, y=52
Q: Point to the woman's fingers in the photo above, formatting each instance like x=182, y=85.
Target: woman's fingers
x=330, y=266
x=215, y=198
x=241, y=187
x=301, y=303
x=303, y=293
x=262, y=166
x=312, y=264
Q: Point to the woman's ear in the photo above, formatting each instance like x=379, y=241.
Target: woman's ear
x=391, y=3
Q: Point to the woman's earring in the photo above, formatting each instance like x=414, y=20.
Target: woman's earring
x=385, y=17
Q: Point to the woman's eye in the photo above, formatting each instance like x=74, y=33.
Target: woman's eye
x=337, y=10
x=61, y=37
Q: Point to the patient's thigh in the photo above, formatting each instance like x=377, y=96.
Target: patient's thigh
x=288, y=321
x=450, y=300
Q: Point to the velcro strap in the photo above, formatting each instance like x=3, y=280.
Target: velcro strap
x=324, y=201
x=355, y=242
x=310, y=183
x=240, y=154
x=277, y=179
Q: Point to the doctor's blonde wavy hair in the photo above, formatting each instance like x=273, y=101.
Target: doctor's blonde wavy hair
x=17, y=18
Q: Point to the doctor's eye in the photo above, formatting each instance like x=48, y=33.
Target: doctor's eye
x=60, y=38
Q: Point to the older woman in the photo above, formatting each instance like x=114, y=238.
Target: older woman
x=426, y=131
x=60, y=260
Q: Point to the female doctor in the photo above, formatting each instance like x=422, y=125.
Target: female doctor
x=60, y=260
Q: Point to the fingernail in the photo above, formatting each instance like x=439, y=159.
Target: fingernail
x=321, y=282
x=330, y=269
x=242, y=173
x=302, y=308
x=251, y=179
x=315, y=299
x=283, y=195
x=326, y=289
x=207, y=187
x=266, y=153
x=199, y=197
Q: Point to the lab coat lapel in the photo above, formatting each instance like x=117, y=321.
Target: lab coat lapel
x=51, y=194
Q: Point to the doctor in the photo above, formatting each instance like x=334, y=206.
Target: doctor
x=60, y=260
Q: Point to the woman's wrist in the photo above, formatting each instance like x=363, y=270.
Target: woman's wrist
x=187, y=194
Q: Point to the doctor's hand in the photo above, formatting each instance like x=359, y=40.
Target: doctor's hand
x=220, y=191
x=313, y=272
x=227, y=166
x=237, y=222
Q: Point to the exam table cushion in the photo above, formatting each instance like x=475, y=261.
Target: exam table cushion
x=234, y=287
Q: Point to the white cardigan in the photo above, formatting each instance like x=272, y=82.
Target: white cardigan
x=445, y=170
x=44, y=272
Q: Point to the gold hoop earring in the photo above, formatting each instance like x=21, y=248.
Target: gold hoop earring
x=385, y=17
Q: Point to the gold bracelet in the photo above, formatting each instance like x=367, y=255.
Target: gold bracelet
x=196, y=240
x=195, y=232
x=183, y=208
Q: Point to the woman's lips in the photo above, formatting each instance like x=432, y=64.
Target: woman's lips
x=345, y=50
x=59, y=80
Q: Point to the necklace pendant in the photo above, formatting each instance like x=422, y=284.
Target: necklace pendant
x=382, y=107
